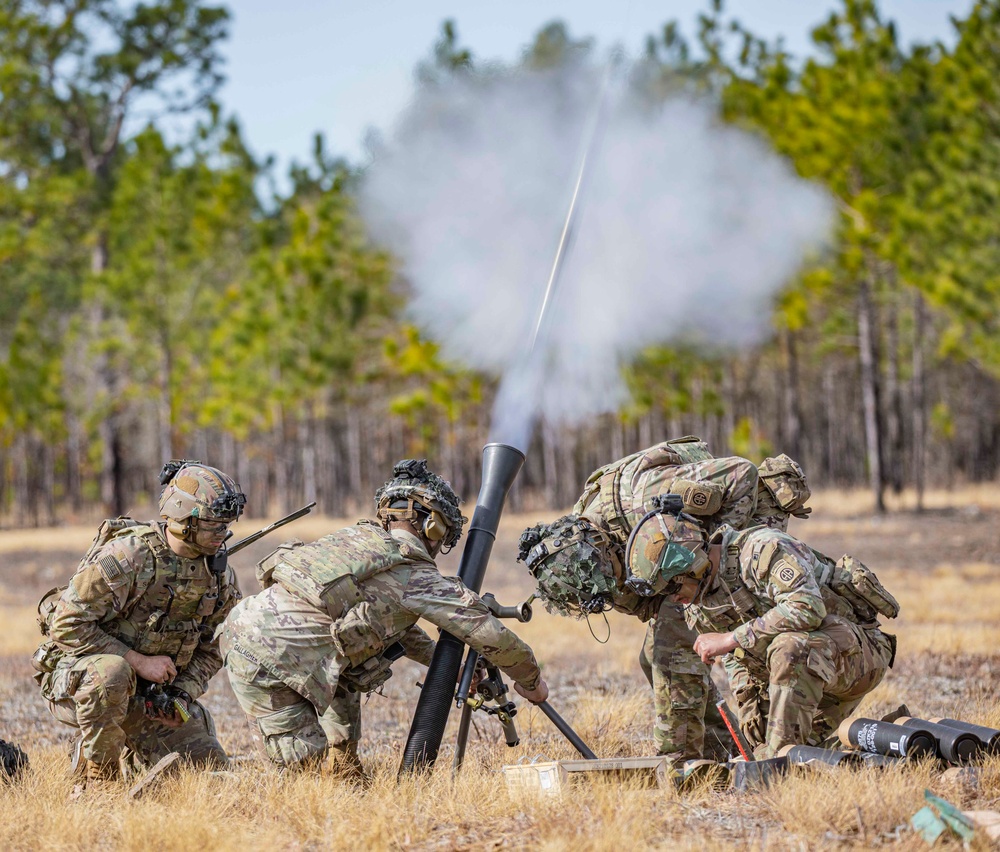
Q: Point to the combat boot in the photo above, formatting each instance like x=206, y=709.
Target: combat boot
x=97, y=778
x=345, y=763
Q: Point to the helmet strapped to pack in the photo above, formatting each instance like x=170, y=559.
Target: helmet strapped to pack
x=194, y=491
x=424, y=499
x=665, y=546
x=782, y=490
x=573, y=561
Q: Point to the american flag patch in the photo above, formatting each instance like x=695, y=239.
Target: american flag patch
x=111, y=568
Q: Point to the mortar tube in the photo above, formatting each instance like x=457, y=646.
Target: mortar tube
x=501, y=464
x=955, y=746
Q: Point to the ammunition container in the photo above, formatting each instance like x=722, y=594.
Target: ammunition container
x=953, y=745
x=886, y=738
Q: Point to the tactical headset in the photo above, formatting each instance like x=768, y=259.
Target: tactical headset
x=430, y=522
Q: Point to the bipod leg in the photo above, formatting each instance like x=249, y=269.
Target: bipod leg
x=462, y=699
x=566, y=730
x=463, y=738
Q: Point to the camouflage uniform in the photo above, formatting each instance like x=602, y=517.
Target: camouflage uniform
x=804, y=658
x=684, y=696
x=135, y=593
x=336, y=604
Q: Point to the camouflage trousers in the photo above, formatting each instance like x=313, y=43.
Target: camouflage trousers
x=815, y=681
x=286, y=726
x=96, y=694
x=688, y=725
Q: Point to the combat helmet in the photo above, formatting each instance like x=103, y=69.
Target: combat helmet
x=193, y=491
x=420, y=496
x=782, y=490
x=664, y=547
x=573, y=561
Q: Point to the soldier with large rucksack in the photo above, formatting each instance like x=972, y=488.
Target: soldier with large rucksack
x=578, y=563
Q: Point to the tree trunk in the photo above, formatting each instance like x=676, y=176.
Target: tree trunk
x=868, y=355
x=919, y=383
x=832, y=458
x=550, y=467
x=894, y=413
x=792, y=419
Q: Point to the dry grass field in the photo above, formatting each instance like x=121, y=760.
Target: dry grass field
x=943, y=564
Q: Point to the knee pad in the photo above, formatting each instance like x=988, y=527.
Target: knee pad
x=293, y=738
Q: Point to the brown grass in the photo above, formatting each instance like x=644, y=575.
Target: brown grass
x=943, y=566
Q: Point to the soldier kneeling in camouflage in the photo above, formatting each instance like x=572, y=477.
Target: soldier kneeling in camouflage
x=141, y=612
x=578, y=563
x=799, y=637
x=300, y=653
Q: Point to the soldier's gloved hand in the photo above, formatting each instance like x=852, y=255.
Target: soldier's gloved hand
x=154, y=669
x=477, y=676
x=174, y=720
x=535, y=696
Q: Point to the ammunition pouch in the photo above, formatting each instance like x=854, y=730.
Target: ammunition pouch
x=756, y=667
x=858, y=584
x=357, y=636
x=46, y=607
x=367, y=676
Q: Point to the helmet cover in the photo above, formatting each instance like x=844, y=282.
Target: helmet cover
x=662, y=549
x=195, y=490
x=412, y=481
x=572, y=561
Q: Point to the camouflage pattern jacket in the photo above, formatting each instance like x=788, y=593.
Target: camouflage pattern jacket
x=335, y=603
x=768, y=583
x=135, y=593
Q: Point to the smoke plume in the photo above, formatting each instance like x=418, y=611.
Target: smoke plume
x=686, y=229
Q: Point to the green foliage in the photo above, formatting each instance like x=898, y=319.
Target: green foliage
x=747, y=441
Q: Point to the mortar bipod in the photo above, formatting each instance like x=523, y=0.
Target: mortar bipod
x=492, y=687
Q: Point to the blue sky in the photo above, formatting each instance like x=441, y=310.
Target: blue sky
x=341, y=67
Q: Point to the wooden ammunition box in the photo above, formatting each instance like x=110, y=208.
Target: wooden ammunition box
x=553, y=776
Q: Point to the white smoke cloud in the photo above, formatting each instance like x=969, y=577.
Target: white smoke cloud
x=686, y=229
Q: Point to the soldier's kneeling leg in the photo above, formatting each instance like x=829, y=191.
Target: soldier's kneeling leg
x=287, y=724
x=341, y=722
x=293, y=737
x=800, y=665
x=100, y=687
x=195, y=739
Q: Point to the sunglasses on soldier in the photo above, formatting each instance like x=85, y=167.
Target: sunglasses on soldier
x=211, y=526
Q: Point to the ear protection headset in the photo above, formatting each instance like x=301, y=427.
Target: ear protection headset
x=430, y=522
x=434, y=527
x=181, y=529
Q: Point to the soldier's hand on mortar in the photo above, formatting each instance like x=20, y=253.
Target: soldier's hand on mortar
x=708, y=646
x=477, y=676
x=154, y=669
x=174, y=720
x=535, y=696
